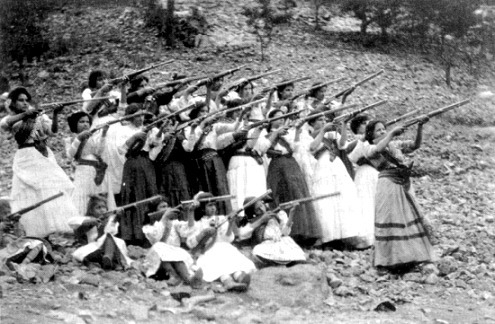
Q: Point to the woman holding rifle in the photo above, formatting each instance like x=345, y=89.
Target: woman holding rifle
x=36, y=174
x=402, y=238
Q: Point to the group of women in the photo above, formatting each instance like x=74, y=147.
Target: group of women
x=243, y=153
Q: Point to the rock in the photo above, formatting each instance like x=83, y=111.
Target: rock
x=250, y=319
x=333, y=281
x=431, y=279
x=139, y=312
x=386, y=306
x=90, y=280
x=461, y=284
x=43, y=75
x=343, y=291
x=413, y=276
x=203, y=314
x=447, y=265
x=367, y=278
x=440, y=321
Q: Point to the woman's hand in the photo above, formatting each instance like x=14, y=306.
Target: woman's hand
x=424, y=120
x=396, y=131
x=84, y=135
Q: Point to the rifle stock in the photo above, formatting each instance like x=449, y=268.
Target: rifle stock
x=292, y=203
x=328, y=112
x=269, y=120
x=138, y=72
x=180, y=81
x=50, y=106
x=251, y=79
x=131, y=205
x=308, y=90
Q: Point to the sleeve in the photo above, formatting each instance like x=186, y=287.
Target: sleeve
x=370, y=151
x=4, y=126
x=154, y=233
x=72, y=149
x=86, y=94
x=283, y=219
x=190, y=138
x=358, y=151
x=245, y=232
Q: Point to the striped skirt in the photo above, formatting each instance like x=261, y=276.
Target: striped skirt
x=400, y=237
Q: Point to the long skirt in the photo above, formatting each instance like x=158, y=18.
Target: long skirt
x=287, y=183
x=400, y=237
x=281, y=252
x=36, y=178
x=246, y=179
x=338, y=215
x=92, y=247
x=365, y=180
x=212, y=178
x=173, y=182
x=138, y=183
x=163, y=252
x=84, y=186
x=223, y=259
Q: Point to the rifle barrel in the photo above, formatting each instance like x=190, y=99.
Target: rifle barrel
x=358, y=111
x=134, y=204
x=217, y=198
x=402, y=117
x=36, y=205
x=72, y=102
x=436, y=112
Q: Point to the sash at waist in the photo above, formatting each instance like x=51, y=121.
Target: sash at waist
x=400, y=176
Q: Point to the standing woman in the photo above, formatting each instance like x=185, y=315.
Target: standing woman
x=365, y=179
x=36, y=174
x=286, y=180
x=338, y=215
x=401, y=237
x=138, y=182
x=86, y=151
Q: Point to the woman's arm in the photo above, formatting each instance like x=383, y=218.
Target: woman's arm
x=419, y=134
x=382, y=145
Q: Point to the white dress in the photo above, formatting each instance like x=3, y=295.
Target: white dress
x=245, y=176
x=168, y=250
x=339, y=215
x=365, y=179
x=277, y=247
x=84, y=175
x=222, y=258
x=37, y=177
x=95, y=243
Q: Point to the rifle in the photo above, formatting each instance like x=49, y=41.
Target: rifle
x=354, y=113
x=250, y=79
x=50, y=106
x=328, y=112
x=219, y=75
x=435, y=112
x=269, y=120
x=357, y=84
x=295, y=202
x=13, y=216
x=402, y=117
x=175, y=113
x=118, y=120
x=308, y=90
x=180, y=81
x=285, y=83
x=138, y=72
x=131, y=205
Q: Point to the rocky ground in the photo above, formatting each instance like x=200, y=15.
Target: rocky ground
x=454, y=182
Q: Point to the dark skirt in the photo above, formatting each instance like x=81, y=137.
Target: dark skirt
x=287, y=183
x=138, y=183
x=212, y=177
x=173, y=182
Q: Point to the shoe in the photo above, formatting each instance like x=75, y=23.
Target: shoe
x=196, y=281
x=244, y=278
x=107, y=263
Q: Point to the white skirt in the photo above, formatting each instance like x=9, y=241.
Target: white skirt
x=365, y=180
x=283, y=251
x=162, y=252
x=36, y=178
x=89, y=248
x=223, y=259
x=339, y=215
x=246, y=178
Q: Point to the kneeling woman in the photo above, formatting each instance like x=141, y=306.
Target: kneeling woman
x=271, y=242
x=99, y=235
x=401, y=235
x=218, y=259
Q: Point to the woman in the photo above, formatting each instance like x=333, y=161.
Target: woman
x=401, y=237
x=166, y=255
x=97, y=232
x=211, y=238
x=138, y=181
x=365, y=179
x=86, y=151
x=338, y=215
x=36, y=174
x=270, y=240
x=286, y=180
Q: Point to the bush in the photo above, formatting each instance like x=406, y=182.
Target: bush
x=22, y=30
